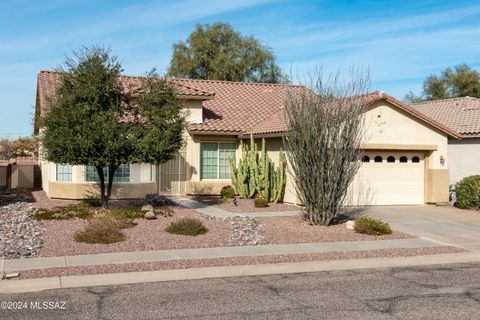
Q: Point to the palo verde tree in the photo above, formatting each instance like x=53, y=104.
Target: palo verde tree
x=325, y=133
x=92, y=120
x=218, y=52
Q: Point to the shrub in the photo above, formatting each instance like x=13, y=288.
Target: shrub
x=187, y=227
x=260, y=202
x=72, y=211
x=227, y=192
x=157, y=200
x=101, y=230
x=166, y=212
x=468, y=193
x=92, y=201
x=123, y=216
x=371, y=226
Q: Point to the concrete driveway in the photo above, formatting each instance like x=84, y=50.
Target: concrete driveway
x=460, y=228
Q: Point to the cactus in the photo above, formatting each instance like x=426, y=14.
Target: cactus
x=256, y=174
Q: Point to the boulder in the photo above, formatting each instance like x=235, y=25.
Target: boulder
x=350, y=224
x=149, y=215
x=147, y=208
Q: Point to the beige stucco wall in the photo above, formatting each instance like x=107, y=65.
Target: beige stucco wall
x=464, y=158
x=66, y=190
x=194, y=111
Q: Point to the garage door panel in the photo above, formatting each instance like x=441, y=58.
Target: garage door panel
x=388, y=183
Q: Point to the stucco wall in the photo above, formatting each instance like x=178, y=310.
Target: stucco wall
x=464, y=158
x=66, y=190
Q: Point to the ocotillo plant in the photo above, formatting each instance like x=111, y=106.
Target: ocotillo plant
x=256, y=174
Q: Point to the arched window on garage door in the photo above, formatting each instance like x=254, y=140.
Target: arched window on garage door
x=378, y=159
x=415, y=159
x=365, y=159
x=403, y=159
x=391, y=159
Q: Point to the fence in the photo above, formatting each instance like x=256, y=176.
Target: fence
x=20, y=173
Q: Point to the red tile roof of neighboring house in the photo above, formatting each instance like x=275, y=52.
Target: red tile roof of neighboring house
x=459, y=114
x=236, y=108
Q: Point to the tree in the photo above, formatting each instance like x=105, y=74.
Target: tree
x=92, y=121
x=22, y=147
x=460, y=81
x=218, y=52
x=324, y=141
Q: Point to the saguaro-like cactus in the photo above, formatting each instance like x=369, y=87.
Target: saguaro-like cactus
x=256, y=174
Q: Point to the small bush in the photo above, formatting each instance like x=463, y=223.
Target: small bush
x=468, y=193
x=371, y=226
x=92, y=201
x=187, y=227
x=72, y=211
x=260, y=202
x=227, y=192
x=101, y=230
x=166, y=212
x=157, y=200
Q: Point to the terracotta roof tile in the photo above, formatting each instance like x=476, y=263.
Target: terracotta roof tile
x=459, y=114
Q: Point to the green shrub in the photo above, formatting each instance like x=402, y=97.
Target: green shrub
x=260, y=202
x=371, y=226
x=72, y=211
x=166, y=212
x=101, y=230
x=227, y=192
x=187, y=227
x=468, y=193
x=92, y=201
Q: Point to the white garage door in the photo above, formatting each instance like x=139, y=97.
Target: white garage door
x=389, y=178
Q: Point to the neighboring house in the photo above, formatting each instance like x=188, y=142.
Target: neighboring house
x=461, y=115
x=405, y=160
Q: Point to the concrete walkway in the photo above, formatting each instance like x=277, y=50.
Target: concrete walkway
x=452, y=226
x=11, y=265
x=203, y=208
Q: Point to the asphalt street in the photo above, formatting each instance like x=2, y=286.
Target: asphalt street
x=433, y=292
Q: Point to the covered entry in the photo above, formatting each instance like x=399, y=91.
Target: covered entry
x=173, y=174
x=389, y=178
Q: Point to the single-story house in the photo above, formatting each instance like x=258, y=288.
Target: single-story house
x=406, y=160
x=461, y=115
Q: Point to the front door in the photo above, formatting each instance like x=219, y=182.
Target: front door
x=173, y=175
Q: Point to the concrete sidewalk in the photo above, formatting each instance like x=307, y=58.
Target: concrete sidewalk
x=32, y=285
x=10, y=265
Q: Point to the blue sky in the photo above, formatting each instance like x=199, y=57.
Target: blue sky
x=401, y=42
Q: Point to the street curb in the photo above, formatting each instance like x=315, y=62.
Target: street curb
x=33, y=285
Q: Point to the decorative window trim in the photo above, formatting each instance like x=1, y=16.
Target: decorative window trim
x=218, y=149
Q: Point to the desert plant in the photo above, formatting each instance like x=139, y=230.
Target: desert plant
x=468, y=193
x=156, y=200
x=227, y=192
x=101, y=230
x=256, y=174
x=92, y=201
x=187, y=227
x=73, y=211
x=260, y=201
x=164, y=212
x=325, y=136
x=371, y=226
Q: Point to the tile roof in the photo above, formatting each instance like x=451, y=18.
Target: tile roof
x=459, y=114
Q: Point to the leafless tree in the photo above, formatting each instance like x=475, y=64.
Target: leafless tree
x=326, y=132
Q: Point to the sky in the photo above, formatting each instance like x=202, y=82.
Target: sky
x=399, y=42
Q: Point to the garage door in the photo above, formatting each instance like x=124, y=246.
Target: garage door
x=389, y=178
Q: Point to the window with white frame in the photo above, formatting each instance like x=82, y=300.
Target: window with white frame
x=215, y=159
x=63, y=172
x=122, y=174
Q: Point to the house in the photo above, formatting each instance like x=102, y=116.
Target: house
x=406, y=160
x=461, y=115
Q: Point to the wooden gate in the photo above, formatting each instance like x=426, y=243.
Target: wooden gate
x=173, y=175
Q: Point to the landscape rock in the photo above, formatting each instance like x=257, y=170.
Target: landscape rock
x=147, y=208
x=12, y=275
x=149, y=215
x=350, y=224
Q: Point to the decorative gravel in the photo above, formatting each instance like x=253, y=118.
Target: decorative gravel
x=245, y=205
x=246, y=231
x=146, y=235
x=20, y=235
x=280, y=230
x=237, y=261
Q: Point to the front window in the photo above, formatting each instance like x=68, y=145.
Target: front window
x=64, y=172
x=215, y=159
x=122, y=174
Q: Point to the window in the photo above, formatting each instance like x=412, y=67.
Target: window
x=365, y=159
x=63, y=172
x=415, y=159
x=215, y=159
x=403, y=159
x=122, y=174
x=378, y=159
x=391, y=159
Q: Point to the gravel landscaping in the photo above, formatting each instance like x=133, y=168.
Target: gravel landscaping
x=20, y=235
x=237, y=261
x=245, y=205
